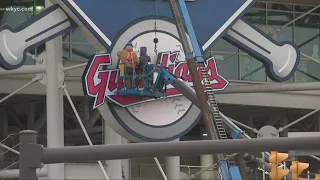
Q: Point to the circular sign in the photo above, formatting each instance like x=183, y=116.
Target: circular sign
x=156, y=120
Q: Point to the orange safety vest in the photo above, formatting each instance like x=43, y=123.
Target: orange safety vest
x=130, y=54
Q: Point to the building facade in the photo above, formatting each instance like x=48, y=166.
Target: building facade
x=296, y=21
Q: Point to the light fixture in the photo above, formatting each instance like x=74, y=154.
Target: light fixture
x=204, y=134
x=38, y=9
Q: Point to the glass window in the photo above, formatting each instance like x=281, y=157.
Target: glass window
x=307, y=38
x=66, y=36
x=308, y=71
x=76, y=47
x=300, y=8
x=275, y=20
x=66, y=51
x=77, y=37
x=228, y=65
x=80, y=52
x=251, y=69
x=259, y=5
x=256, y=17
x=307, y=35
x=223, y=46
x=281, y=7
x=227, y=62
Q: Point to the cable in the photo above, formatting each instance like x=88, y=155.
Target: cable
x=155, y=40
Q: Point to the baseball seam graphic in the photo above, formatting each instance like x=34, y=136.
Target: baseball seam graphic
x=136, y=108
x=178, y=105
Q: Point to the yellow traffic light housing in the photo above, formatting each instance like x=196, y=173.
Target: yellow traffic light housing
x=275, y=159
x=297, y=168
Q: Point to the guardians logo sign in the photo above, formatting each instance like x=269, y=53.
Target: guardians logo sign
x=102, y=83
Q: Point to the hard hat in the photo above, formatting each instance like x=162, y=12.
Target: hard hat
x=129, y=44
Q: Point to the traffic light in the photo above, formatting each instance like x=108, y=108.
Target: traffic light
x=275, y=159
x=297, y=168
x=317, y=177
x=251, y=161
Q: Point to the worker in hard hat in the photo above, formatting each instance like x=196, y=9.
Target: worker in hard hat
x=130, y=61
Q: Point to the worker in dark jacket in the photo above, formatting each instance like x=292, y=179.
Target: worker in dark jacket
x=144, y=59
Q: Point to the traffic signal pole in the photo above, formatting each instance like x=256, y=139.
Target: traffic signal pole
x=32, y=155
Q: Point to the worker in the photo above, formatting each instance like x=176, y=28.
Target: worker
x=131, y=61
x=144, y=59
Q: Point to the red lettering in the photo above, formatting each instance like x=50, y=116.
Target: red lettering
x=173, y=57
x=187, y=76
x=178, y=70
x=171, y=68
x=182, y=70
x=164, y=59
x=168, y=59
x=97, y=90
x=114, y=81
x=211, y=69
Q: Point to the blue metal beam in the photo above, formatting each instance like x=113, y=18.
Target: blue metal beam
x=187, y=20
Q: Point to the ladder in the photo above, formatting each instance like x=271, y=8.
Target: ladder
x=214, y=105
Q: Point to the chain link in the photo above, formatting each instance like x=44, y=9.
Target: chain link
x=155, y=40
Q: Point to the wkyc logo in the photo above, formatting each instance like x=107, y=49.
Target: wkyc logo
x=102, y=83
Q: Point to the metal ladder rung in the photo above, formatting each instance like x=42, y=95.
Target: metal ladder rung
x=214, y=105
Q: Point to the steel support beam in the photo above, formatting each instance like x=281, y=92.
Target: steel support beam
x=281, y=129
x=111, y=138
x=27, y=69
x=172, y=166
x=14, y=173
x=185, y=148
x=260, y=88
x=55, y=124
x=126, y=163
